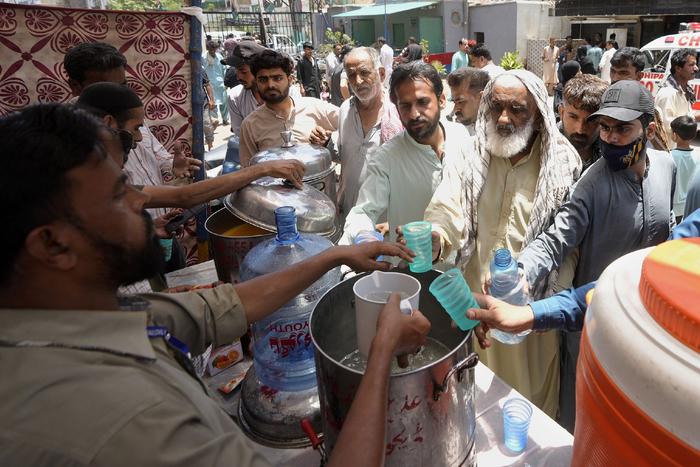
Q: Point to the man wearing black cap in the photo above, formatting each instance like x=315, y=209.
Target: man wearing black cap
x=244, y=98
x=622, y=203
x=308, y=73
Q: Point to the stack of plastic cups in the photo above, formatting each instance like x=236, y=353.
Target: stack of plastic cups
x=419, y=239
x=453, y=293
x=517, y=413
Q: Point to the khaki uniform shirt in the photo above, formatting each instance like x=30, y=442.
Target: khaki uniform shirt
x=90, y=388
x=261, y=129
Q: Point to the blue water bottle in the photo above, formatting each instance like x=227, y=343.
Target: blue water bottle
x=506, y=286
x=229, y=167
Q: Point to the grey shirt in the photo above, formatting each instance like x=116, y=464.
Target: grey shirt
x=608, y=215
x=692, y=200
x=241, y=103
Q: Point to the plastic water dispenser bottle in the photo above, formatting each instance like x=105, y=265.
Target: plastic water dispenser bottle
x=507, y=285
x=283, y=351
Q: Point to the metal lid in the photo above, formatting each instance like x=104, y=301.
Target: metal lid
x=316, y=159
x=256, y=204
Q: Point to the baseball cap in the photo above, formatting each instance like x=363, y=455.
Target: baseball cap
x=244, y=51
x=307, y=45
x=625, y=101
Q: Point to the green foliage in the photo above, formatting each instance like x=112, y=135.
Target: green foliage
x=425, y=45
x=332, y=38
x=440, y=67
x=142, y=5
x=512, y=61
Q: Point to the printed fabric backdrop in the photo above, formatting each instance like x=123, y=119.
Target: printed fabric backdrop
x=33, y=41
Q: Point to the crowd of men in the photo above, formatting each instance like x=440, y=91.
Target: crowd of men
x=566, y=198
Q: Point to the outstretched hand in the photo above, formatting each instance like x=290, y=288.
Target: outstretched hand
x=362, y=257
x=183, y=166
x=497, y=314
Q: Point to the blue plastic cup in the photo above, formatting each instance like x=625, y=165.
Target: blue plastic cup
x=418, y=237
x=517, y=414
x=453, y=293
x=365, y=236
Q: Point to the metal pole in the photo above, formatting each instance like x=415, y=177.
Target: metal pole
x=386, y=24
x=198, y=119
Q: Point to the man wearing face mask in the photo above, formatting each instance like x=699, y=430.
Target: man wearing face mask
x=621, y=204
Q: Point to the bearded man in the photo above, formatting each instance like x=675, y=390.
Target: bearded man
x=261, y=129
x=367, y=120
x=520, y=170
x=467, y=85
x=403, y=173
x=582, y=96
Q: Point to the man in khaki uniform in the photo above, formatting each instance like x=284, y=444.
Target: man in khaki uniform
x=89, y=379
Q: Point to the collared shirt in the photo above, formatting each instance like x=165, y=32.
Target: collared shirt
x=609, y=214
x=148, y=164
x=671, y=102
x=400, y=181
x=687, y=161
x=459, y=60
x=241, y=103
x=90, y=387
x=309, y=76
x=355, y=148
x=261, y=129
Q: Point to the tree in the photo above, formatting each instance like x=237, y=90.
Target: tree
x=142, y=5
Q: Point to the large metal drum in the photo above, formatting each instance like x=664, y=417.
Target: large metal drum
x=431, y=419
x=229, y=250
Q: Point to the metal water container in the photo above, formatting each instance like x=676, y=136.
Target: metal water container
x=280, y=389
x=430, y=418
x=320, y=172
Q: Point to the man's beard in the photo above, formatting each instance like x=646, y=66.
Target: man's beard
x=276, y=98
x=367, y=93
x=508, y=146
x=427, y=130
x=579, y=141
x=123, y=266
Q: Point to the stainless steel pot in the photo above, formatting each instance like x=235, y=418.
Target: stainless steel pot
x=431, y=419
x=229, y=251
x=256, y=204
x=317, y=160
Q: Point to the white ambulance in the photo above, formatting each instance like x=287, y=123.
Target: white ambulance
x=658, y=56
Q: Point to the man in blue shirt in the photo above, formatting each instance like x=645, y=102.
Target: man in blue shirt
x=460, y=58
x=563, y=311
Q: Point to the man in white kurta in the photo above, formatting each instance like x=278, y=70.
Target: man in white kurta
x=549, y=68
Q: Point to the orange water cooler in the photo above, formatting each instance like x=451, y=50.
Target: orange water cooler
x=638, y=374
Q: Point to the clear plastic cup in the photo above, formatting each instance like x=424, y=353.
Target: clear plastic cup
x=453, y=293
x=418, y=237
x=517, y=414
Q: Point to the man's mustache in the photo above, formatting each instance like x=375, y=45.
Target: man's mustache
x=509, y=127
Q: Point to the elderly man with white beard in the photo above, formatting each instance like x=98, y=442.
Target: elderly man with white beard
x=519, y=172
x=367, y=120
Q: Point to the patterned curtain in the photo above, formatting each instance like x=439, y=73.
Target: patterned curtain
x=34, y=39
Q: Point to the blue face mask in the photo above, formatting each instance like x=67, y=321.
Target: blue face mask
x=622, y=157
